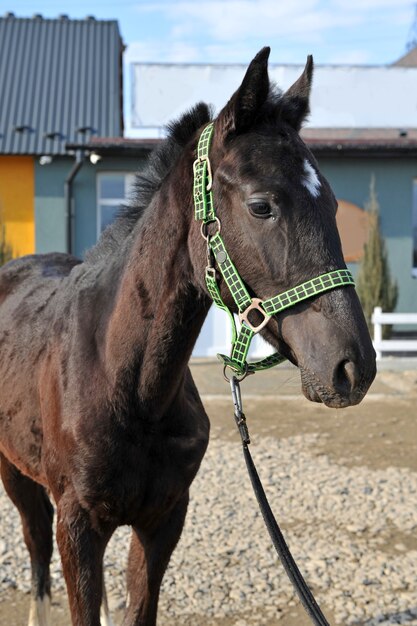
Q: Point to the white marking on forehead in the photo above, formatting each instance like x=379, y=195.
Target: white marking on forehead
x=310, y=180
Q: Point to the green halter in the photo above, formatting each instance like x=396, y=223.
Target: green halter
x=204, y=212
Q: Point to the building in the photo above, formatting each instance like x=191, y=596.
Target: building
x=61, y=84
x=65, y=166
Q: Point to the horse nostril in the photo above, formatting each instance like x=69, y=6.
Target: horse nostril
x=345, y=379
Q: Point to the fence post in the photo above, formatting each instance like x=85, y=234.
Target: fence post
x=377, y=330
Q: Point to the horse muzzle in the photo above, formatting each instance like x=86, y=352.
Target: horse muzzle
x=330, y=344
x=348, y=385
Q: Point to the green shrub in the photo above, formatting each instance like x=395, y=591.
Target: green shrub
x=374, y=284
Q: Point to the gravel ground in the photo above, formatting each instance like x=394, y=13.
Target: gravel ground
x=352, y=530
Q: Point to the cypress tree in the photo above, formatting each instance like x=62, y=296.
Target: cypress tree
x=374, y=284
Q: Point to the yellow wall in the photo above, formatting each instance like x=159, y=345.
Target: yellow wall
x=17, y=193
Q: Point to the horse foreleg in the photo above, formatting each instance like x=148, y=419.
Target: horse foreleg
x=36, y=513
x=149, y=556
x=82, y=548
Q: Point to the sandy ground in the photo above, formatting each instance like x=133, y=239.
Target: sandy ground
x=381, y=432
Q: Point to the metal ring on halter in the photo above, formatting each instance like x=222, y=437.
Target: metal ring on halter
x=205, y=235
x=239, y=377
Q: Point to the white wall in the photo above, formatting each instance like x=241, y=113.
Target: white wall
x=216, y=336
x=342, y=96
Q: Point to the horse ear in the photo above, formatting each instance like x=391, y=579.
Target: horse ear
x=296, y=101
x=239, y=113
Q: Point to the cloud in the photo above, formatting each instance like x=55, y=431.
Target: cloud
x=371, y=5
x=350, y=57
x=223, y=20
x=233, y=30
x=162, y=51
x=238, y=19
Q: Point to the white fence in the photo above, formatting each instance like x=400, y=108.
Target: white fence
x=392, y=345
x=216, y=335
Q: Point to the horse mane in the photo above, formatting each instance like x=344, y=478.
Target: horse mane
x=149, y=180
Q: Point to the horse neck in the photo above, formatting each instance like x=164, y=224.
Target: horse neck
x=159, y=309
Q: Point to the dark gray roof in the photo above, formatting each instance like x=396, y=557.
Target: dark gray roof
x=324, y=142
x=380, y=142
x=60, y=82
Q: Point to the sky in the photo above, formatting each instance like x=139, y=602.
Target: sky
x=218, y=31
x=232, y=31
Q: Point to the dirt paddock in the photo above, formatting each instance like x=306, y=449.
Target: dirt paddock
x=378, y=434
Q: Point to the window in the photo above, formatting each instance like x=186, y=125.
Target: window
x=113, y=189
x=414, y=227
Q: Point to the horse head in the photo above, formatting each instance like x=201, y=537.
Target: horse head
x=278, y=222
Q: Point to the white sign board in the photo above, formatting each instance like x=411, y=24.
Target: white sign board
x=342, y=96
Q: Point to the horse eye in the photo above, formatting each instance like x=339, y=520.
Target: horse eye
x=260, y=208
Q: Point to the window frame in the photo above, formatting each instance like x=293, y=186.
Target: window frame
x=129, y=178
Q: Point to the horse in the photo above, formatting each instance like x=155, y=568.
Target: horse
x=98, y=408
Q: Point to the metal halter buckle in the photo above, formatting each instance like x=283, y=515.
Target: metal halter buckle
x=204, y=228
x=202, y=159
x=255, y=306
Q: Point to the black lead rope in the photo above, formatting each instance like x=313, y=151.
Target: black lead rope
x=290, y=566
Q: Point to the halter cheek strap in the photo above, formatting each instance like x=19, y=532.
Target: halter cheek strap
x=217, y=255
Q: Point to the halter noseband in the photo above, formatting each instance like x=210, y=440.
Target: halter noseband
x=217, y=253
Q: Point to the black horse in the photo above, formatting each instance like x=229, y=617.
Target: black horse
x=97, y=404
